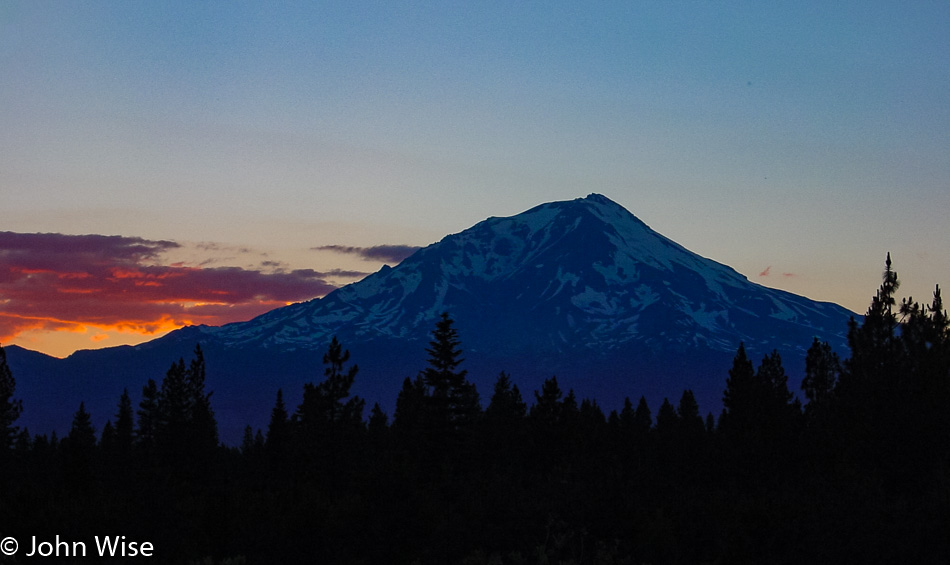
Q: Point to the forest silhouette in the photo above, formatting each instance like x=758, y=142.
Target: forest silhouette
x=858, y=474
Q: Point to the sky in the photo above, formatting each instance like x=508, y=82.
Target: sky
x=170, y=163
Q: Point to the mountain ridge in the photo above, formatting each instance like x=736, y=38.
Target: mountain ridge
x=580, y=288
x=499, y=250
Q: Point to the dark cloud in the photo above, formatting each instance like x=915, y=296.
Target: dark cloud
x=57, y=281
x=345, y=274
x=280, y=267
x=385, y=253
x=55, y=251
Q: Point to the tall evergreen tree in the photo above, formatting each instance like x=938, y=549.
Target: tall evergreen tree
x=124, y=425
x=877, y=379
x=569, y=409
x=875, y=351
x=643, y=419
x=204, y=427
x=107, y=441
x=740, y=398
x=410, y=415
x=547, y=404
x=378, y=420
x=79, y=451
x=822, y=368
x=691, y=423
x=781, y=411
x=452, y=400
x=148, y=416
x=627, y=415
x=82, y=435
x=329, y=403
x=278, y=429
x=772, y=376
x=918, y=395
x=336, y=386
x=590, y=417
x=173, y=429
x=10, y=409
x=667, y=421
x=506, y=405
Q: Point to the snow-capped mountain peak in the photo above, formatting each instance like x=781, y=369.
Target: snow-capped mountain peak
x=580, y=273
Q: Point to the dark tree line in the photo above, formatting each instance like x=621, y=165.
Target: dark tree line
x=859, y=474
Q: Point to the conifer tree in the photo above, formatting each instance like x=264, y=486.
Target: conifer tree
x=921, y=394
x=758, y=406
x=204, y=427
x=547, y=404
x=925, y=339
x=79, y=447
x=174, y=410
x=124, y=425
x=452, y=400
x=410, y=415
x=772, y=375
x=691, y=423
x=278, y=429
x=569, y=409
x=627, y=415
x=147, y=416
x=107, y=439
x=875, y=380
x=741, y=397
x=10, y=409
x=82, y=435
x=875, y=349
x=327, y=404
x=506, y=406
x=378, y=420
x=822, y=367
x=591, y=417
x=667, y=421
x=643, y=419
x=337, y=384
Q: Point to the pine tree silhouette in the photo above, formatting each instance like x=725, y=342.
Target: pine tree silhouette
x=148, y=417
x=451, y=399
x=278, y=429
x=10, y=408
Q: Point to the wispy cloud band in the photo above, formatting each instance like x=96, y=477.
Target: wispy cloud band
x=385, y=253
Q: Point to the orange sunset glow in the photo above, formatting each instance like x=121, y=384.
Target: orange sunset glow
x=67, y=292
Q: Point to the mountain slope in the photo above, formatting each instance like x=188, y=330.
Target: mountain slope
x=582, y=274
x=581, y=289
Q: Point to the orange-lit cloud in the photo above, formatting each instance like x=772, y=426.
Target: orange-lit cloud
x=56, y=282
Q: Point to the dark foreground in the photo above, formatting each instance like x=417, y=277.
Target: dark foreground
x=861, y=474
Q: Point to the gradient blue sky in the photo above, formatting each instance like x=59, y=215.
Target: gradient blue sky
x=802, y=140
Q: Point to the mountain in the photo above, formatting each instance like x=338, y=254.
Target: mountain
x=581, y=289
